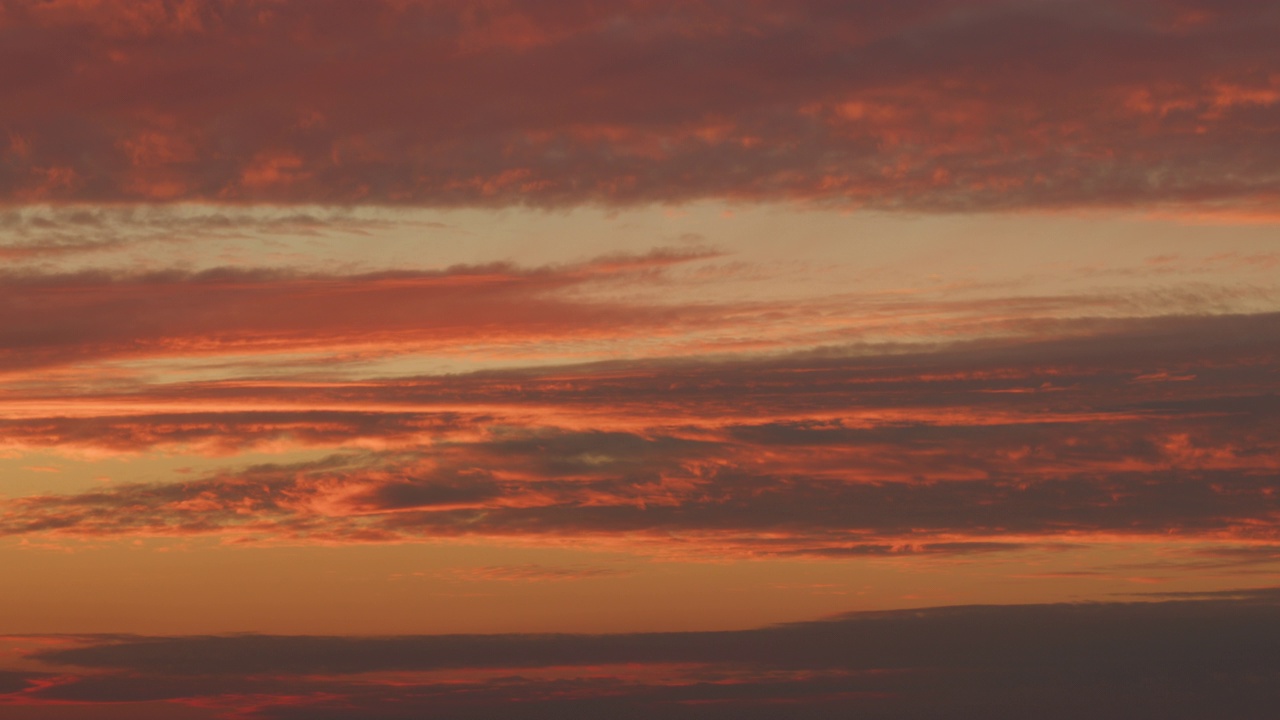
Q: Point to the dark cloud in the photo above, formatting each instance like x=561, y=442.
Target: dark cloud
x=1185, y=659
x=1077, y=366
x=936, y=104
x=409, y=493
x=818, y=454
x=12, y=682
x=380, y=499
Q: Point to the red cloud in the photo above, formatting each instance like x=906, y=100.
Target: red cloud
x=936, y=104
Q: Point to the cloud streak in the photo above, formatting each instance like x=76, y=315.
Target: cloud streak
x=34, y=233
x=641, y=305
x=51, y=319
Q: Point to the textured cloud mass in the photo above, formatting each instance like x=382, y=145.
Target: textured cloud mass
x=1160, y=428
x=935, y=104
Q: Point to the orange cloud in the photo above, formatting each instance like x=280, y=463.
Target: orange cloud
x=967, y=448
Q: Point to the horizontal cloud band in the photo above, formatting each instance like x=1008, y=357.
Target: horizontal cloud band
x=937, y=104
x=957, y=449
x=1193, y=658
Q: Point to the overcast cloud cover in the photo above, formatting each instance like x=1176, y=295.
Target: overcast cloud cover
x=633, y=359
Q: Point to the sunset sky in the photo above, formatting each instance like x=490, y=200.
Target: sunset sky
x=639, y=359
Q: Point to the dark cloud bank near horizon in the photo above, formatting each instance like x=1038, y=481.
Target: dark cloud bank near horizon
x=1215, y=655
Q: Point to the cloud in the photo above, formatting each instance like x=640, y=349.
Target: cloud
x=52, y=319
x=728, y=509
x=969, y=447
x=43, y=232
x=226, y=433
x=1188, y=659
x=933, y=105
x=655, y=304
x=12, y=682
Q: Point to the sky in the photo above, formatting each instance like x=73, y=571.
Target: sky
x=714, y=358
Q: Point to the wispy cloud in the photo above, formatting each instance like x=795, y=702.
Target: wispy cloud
x=638, y=305
x=50, y=232
x=51, y=319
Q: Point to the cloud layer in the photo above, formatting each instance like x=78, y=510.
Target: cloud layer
x=1201, y=658
x=219, y=412
x=938, y=104
x=1158, y=428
